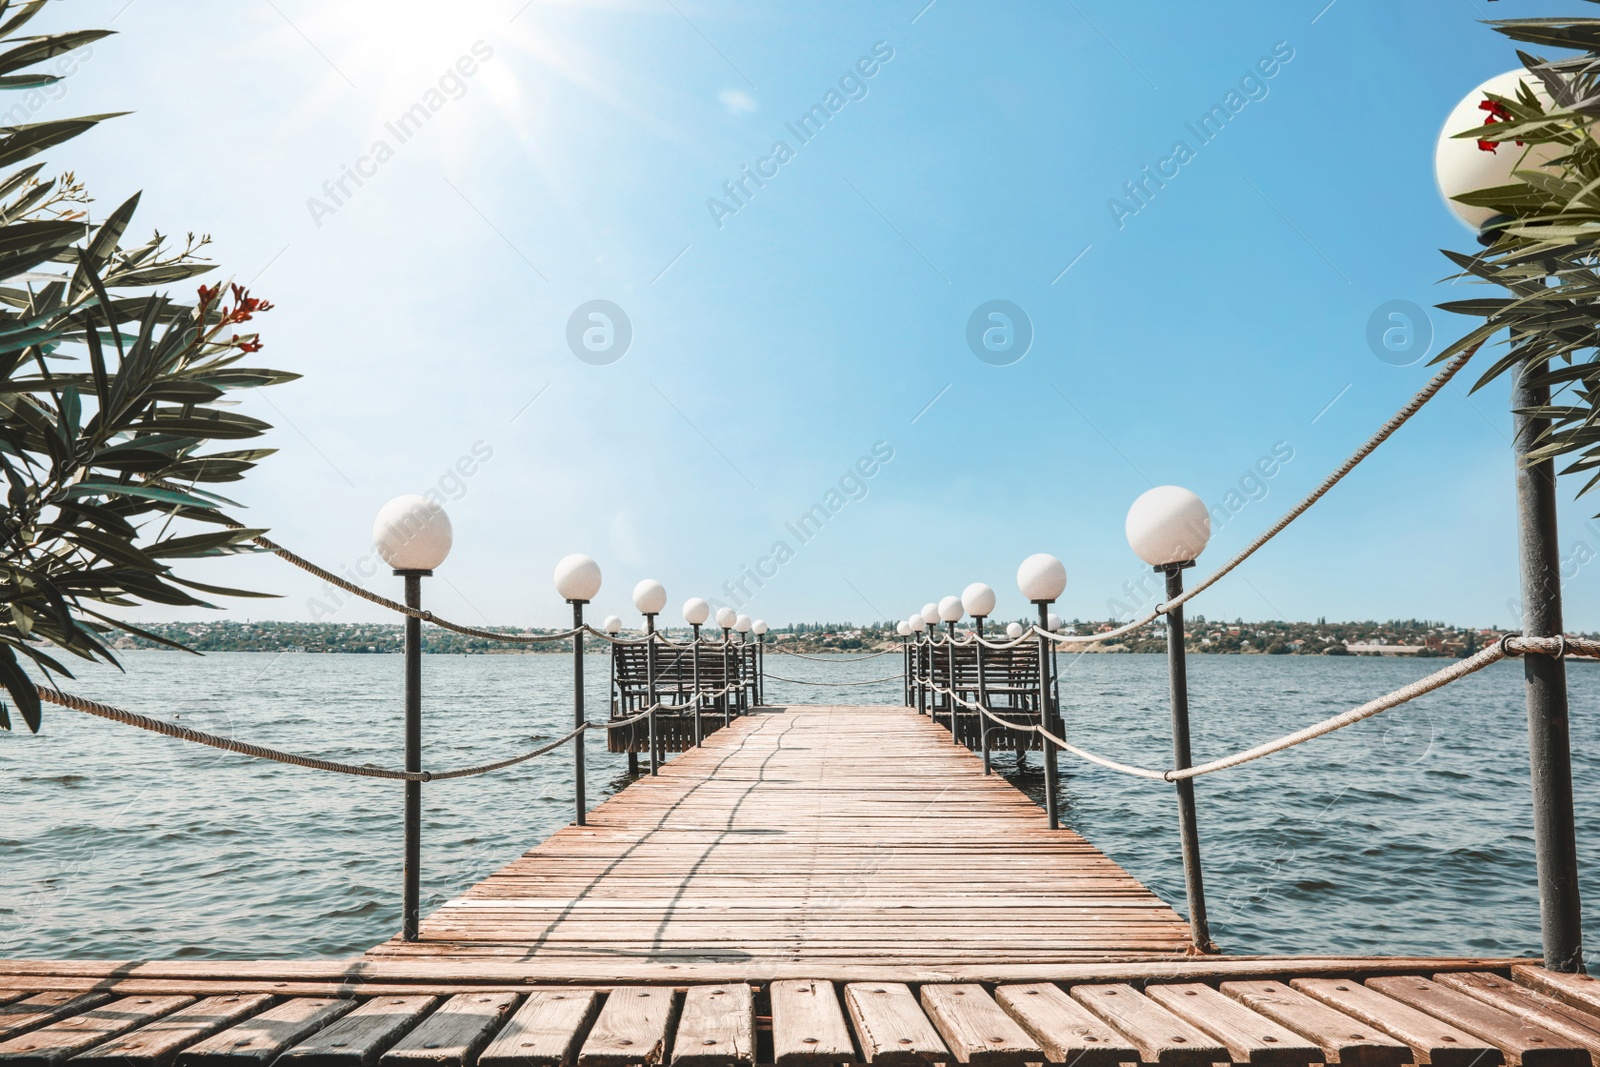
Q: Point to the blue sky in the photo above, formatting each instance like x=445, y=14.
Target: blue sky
x=571, y=152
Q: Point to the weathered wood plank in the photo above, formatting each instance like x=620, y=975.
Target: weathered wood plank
x=358, y=1038
x=1345, y=1040
x=455, y=1034
x=975, y=1028
x=1559, y=1016
x=41, y=1009
x=1160, y=1036
x=1579, y=990
x=156, y=1044
x=1524, y=1041
x=1066, y=1031
x=545, y=1031
x=717, y=1026
x=259, y=1039
x=632, y=1028
x=890, y=1026
x=1432, y=1040
x=1248, y=1037
x=808, y=1027
x=53, y=1044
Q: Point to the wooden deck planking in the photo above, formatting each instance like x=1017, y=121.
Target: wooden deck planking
x=807, y=834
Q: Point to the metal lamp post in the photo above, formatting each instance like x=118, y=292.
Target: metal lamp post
x=613, y=626
x=1168, y=528
x=1461, y=168
x=695, y=612
x=759, y=628
x=413, y=536
x=919, y=690
x=930, y=619
x=742, y=624
x=1042, y=579
x=577, y=579
x=950, y=612
x=903, y=628
x=649, y=596
x=978, y=600
x=726, y=617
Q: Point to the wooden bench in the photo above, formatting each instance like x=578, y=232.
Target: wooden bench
x=673, y=668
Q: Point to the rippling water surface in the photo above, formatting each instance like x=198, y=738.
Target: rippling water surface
x=1410, y=832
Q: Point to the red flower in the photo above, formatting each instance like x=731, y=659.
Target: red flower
x=1498, y=112
x=207, y=295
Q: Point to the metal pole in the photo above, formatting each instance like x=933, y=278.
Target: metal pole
x=694, y=650
x=577, y=712
x=650, y=683
x=983, y=692
x=411, y=865
x=727, y=679
x=761, y=670
x=1545, y=682
x=949, y=635
x=1047, y=720
x=1188, y=829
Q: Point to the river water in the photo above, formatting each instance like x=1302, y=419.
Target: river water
x=1407, y=833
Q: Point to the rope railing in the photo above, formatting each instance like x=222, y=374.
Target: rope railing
x=854, y=657
x=1505, y=647
x=1387, y=430
x=835, y=685
x=247, y=748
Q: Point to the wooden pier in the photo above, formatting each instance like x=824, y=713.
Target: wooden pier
x=815, y=885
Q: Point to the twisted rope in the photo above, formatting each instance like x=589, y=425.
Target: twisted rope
x=415, y=613
x=832, y=659
x=835, y=685
x=1506, y=646
x=246, y=748
x=1397, y=420
x=617, y=724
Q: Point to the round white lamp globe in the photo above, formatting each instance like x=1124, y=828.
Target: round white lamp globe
x=577, y=578
x=903, y=628
x=978, y=600
x=1167, y=525
x=917, y=624
x=726, y=617
x=649, y=596
x=1052, y=622
x=950, y=609
x=1042, y=578
x=1460, y=166
x=613, y=624
x=760, y=627
x=696, y=611
x=930, y=614
x=1013, y=630
x=742, y=623
x=412, y=533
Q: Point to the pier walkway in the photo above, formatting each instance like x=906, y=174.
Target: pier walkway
x=815, y=886
x=798, y=839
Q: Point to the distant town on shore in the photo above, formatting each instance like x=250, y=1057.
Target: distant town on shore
x=1408, y=637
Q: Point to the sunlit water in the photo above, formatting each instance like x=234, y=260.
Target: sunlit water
x=1407, y=833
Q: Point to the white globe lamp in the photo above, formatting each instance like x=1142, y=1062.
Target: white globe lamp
x=613, y=624
x=1052, y=622
x=903, y=628
x=759, y=627
x=930, y=614
x=726, y=617
x=1168, y=526
x=1461, y=166
x=917, y=624
x=742, y=623
x=978, y=600
x=1042, y=578
x=649, y=596
x=1013, y=630
x=577, y=578
x=696, y=611
x=950, y=609
x=412, y=533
